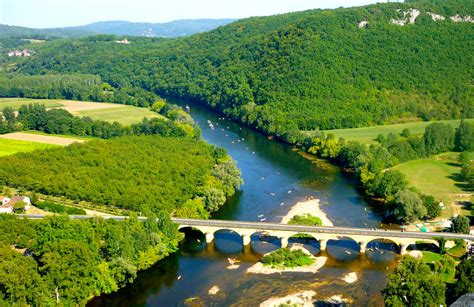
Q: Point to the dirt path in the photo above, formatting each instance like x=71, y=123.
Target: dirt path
x=21, y=136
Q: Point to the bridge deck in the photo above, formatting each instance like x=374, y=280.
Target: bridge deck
x=345, y=231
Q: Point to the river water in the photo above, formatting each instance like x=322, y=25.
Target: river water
x=275, y=176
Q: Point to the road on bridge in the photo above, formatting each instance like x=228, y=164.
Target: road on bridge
x=345, y=231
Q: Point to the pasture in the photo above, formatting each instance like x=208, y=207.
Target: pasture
x=437, y=176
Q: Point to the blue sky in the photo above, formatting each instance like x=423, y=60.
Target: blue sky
x=57, y=13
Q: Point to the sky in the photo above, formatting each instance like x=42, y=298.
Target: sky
x=60, y=13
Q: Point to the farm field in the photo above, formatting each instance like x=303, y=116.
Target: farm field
x=367, y=135
x=16, y=103
x=125, y=115
x=38, y=138
x=436, y=176
x=10, y=147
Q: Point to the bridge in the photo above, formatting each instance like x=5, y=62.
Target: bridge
x=284, y=232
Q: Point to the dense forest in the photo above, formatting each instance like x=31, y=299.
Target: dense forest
x=147, y=174
x=58, y=261
x=298, y=71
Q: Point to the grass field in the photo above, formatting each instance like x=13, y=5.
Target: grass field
x=126, y=115
x=10, y=147
x=16, y=103
x=436, y=176
x=367, y=135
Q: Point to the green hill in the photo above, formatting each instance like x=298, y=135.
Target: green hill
x=300, y=71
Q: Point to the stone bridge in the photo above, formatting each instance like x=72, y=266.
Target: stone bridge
x=321, y=233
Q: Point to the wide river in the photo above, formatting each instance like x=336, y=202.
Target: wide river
x=275, y=177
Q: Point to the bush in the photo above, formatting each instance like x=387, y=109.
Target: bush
x=307, y=219
x=58, y=208
x=286, y=258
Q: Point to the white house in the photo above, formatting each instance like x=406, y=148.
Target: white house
x=6, y=204
x=24, y=199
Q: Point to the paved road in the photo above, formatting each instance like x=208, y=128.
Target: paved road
x=347, y=231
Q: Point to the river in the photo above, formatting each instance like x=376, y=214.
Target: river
x=275, y=176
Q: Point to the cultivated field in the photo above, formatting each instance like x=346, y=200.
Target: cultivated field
x=38, y=138
x=367, y=135
x=437, y=176
x=125, y=115
x=10, y=147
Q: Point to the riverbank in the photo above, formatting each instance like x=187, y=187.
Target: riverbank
x=308, y=206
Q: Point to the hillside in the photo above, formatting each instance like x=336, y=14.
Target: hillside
x=7, y=31
x=168, y=29
x=323, y=69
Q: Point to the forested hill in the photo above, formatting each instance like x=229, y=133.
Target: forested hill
x=324, y=69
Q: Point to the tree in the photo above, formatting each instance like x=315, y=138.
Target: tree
x=390, y=183
x=20, y=281
x=406, y=133
x=464, y=138
x=412, y=283
x=438, y=138
x=70, y=269
x=408, y=206
x=460, y=224
x=464, y=279
x=432, y=206
x=19, y=207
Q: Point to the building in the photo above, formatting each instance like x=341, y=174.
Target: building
x=7, y=204
x=124, y=41
x=20, y=53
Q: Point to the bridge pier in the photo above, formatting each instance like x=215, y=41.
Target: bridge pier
x=403, y=249
x=209, y=237
x=362, y=246
x=246, y=239
x=323, y=244
x=284, y=242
